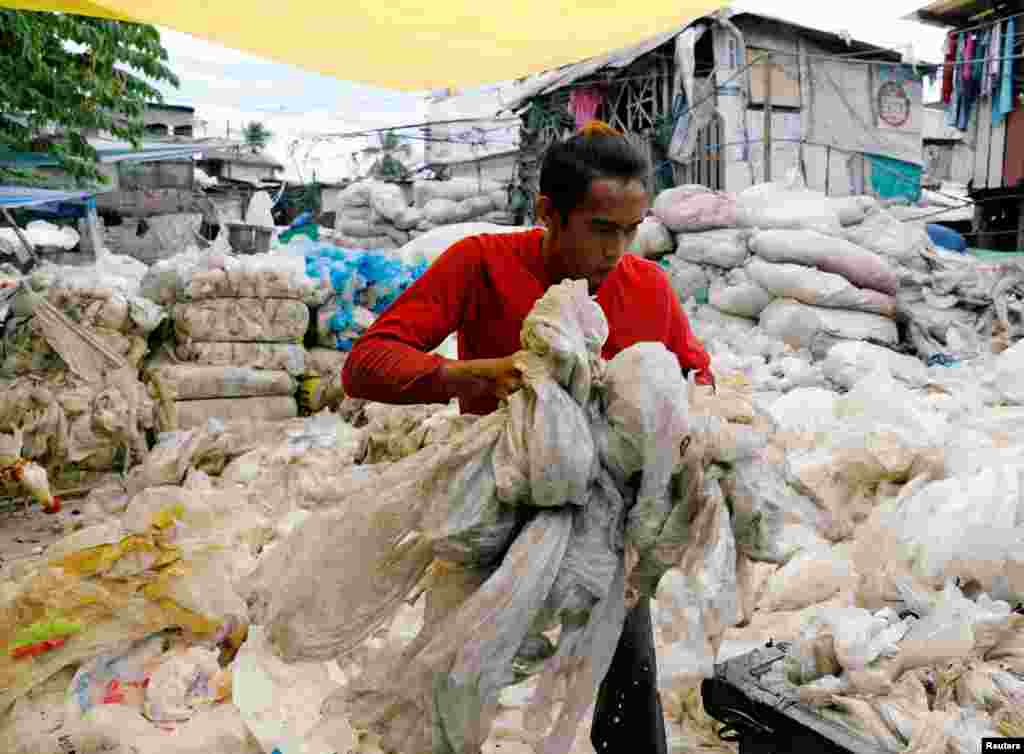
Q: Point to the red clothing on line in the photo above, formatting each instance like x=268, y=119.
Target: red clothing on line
x=947, y=70
x=483, y=288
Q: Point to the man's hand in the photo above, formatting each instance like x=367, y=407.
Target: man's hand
x=491, y=378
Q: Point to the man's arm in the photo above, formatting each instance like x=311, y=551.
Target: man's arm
x=681, y=339
x=391, y=362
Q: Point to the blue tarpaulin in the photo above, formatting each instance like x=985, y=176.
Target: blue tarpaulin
x=12, y=197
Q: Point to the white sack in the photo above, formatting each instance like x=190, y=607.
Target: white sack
x=686, y=277
x=816, y=288
x=1009, y=374
x=726, y=248
x=652, y=240
x=849, y=363
x=852, y=210
x=805, y=326
x=861, y=267
x=258, y=211
x=739, y=296
x=883, y=234
x=387, y=200
x=434, y=243
x=777, y=206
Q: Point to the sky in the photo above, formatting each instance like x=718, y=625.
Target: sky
x=229, y=88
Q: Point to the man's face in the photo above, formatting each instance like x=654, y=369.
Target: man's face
x=591, y=242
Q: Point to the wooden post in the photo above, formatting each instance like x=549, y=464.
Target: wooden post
x=91, y=239
x=828, y=167
x=1020, y=225
x=24, y=255
x=767, y=118
x=977, y=226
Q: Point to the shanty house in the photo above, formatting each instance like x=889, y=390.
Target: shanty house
x=983, y=103
x=846, y=114
x=241, y=165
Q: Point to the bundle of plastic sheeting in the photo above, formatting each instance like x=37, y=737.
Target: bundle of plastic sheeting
x=901, y=243
x=961, y=307
x=557, y=457
x=740, y=293
x=904, y=679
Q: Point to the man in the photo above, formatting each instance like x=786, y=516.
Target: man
x=592, y=200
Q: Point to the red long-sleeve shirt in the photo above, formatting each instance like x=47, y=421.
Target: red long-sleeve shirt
x=483, y=288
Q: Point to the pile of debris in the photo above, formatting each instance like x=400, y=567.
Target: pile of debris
x=73, y=340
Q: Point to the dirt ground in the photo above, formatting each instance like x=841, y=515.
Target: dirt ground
x=27, y=533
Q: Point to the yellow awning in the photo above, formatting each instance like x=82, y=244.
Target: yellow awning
x=409, y=44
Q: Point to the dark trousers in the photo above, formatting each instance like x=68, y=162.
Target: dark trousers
x=628, y=715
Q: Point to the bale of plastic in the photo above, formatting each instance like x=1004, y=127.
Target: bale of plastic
x=243, y=319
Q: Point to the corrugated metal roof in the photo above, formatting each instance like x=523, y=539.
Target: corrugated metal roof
x=558, y=78
x=946, y=13
x=23, y=196
x=109, y=152
x=553, y=80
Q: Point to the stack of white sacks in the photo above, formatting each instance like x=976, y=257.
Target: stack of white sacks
x=811, y=270
x=239, y=326
x=379, y=215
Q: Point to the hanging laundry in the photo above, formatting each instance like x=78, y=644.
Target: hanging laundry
x=980, y=57
x=970, y=84
x=584, y=103
x=1003, y=104
x=997, y=51
x=947, y=69
x=969, y=49
x=953, y=111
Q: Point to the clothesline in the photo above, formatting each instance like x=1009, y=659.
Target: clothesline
x=987, y=24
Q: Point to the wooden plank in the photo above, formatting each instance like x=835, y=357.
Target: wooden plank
x=983, y=142
x=768, y=119
x=997, y=156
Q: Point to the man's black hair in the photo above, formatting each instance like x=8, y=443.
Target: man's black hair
x=571, y=165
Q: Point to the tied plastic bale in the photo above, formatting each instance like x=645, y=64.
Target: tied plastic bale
x=809, y=248
x=692, y=209
x=815, y=288
x=454, y=190
x=194, y=382
x=240, y=320
x=285, y=357
x=652, y=240
x=189, y=414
